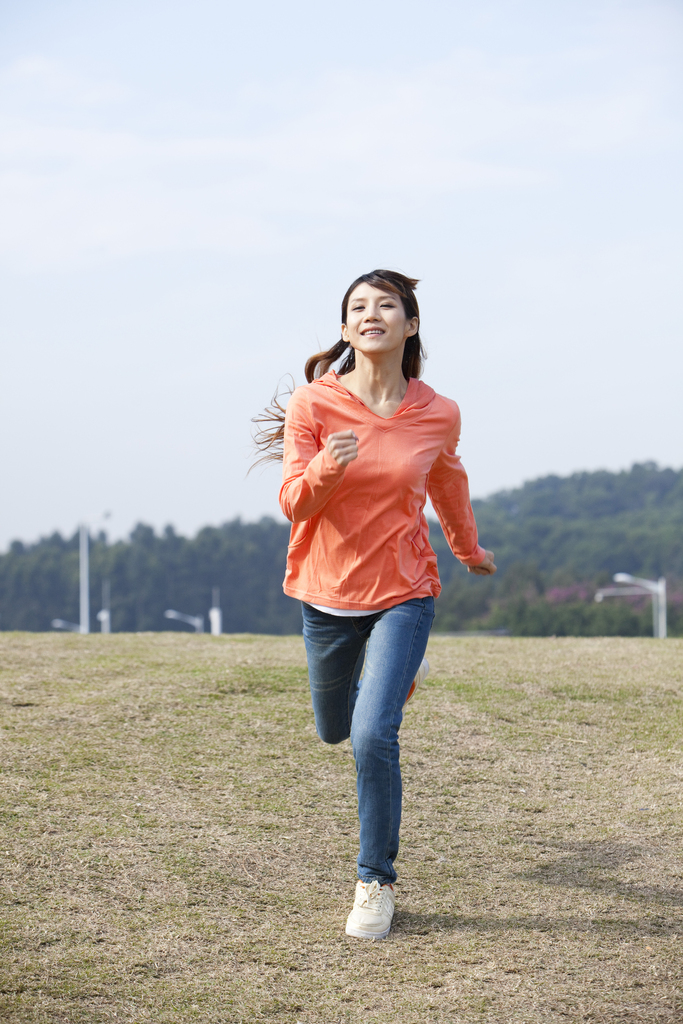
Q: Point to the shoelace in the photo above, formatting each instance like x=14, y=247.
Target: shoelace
x=374, y=896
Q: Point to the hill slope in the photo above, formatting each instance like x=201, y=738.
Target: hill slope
x=555, y=540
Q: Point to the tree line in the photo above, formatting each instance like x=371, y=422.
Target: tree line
x=556, y=540
x=151, y=572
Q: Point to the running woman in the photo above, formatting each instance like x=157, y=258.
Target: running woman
x=364, y=446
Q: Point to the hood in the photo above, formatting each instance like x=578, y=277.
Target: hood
x=418, y=396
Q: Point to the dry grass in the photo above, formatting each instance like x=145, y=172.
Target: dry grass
x=177, y=846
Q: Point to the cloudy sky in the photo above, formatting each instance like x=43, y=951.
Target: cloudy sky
x=187, y=188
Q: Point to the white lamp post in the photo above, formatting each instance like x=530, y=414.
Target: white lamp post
x=84, y=575
x=72, y=627
x=83, y=578
x=656, y=589
x=196, y=621
x=104, y=615
x=215, y=613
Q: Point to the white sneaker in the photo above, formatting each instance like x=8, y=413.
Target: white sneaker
x=372, y=911
x=422, y=673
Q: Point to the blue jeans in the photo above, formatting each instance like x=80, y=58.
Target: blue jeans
x=360, y=671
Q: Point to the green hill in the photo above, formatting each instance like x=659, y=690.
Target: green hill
x=556, y=539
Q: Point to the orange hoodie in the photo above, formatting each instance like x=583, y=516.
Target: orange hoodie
x=359, y=536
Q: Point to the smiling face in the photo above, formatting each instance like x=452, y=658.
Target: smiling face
x=376, y=323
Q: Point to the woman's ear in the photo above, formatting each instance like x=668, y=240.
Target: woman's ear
x=345, y=333
x=413, y=327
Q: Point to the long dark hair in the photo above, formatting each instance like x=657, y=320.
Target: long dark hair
x=270, y=432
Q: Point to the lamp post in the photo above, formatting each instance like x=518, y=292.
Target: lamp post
x=215, y=613
x=656, y=589
x=104, y=615
x=83, y=579
x=72, y=627
x=84, y=575
x=196, y=621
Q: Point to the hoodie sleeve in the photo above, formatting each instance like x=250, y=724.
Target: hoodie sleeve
x=310, y=476
x=449, y=491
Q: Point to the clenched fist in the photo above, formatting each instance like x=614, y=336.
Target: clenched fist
x=485, y=568
x=343, y=447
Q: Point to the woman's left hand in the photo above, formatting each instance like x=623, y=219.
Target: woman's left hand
x=485, y=568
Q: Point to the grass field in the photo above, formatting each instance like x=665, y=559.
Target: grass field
x=177, y=845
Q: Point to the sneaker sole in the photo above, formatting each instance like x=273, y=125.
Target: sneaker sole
x=358, y=934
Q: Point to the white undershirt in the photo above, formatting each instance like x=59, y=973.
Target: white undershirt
x=348, y=612
x=345, y=612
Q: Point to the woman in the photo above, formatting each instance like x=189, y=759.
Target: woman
x=363, y=447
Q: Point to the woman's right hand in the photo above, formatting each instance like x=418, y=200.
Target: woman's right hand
x=343, y=447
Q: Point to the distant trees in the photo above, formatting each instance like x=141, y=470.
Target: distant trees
x=149, y=573
x=556, y=540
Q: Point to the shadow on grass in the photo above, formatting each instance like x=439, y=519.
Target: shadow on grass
x=590, y=866
x=584, y=866
x=407, y=923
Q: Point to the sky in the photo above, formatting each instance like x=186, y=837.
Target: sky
x=188, y=188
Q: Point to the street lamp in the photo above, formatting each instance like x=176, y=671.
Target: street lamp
x=104, y=615
x=196, y=621
x=72, y=627
x=84, y=578
x=84, y=575
x=656, y=589
x=215, y=613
